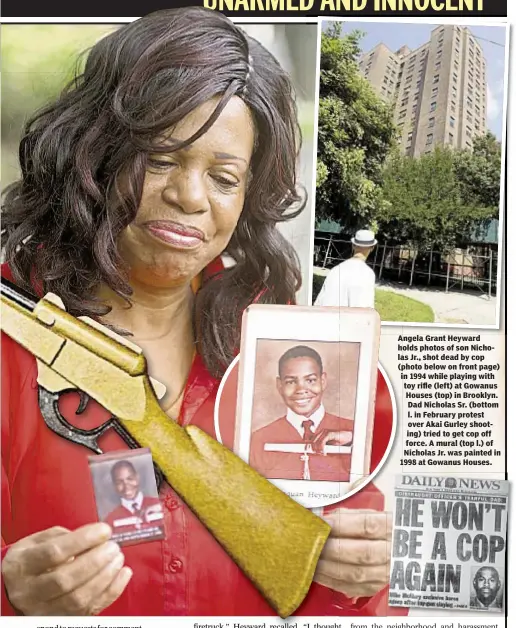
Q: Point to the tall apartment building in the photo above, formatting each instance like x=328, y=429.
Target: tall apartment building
x=438, y=90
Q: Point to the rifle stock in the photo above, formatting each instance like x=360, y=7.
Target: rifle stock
x=274, y=540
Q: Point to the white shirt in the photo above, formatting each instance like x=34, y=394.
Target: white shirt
x=350, y=284
x=296, y=420
x=129, y=503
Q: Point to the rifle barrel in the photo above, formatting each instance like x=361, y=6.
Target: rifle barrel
x=19, y=296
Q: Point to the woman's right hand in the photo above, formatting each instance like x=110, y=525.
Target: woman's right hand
x=58, y=572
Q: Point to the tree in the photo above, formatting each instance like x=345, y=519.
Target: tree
x=478, y=172
x=427, y=205
x=355, y=134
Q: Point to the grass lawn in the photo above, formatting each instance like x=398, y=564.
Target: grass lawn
x=396, y=307
x=393, y=307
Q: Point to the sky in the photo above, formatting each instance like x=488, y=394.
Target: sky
x=394, y=35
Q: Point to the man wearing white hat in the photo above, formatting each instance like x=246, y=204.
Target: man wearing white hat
x=351, y=283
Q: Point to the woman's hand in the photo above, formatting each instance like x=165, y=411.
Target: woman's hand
x=58, y=572
x=330, y=437
x=355, y=560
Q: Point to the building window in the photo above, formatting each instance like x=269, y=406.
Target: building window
x=455, y=78
x=452, y=121
x=431, y=122
x=450, y=138
x=408, y=79
x=409, y=136
x=436, y=78
x=404, y=102
x=468, y=131
x=429, y=138
x=433, y=106
x=403, y=113
x=434, y=91
x=438, y=65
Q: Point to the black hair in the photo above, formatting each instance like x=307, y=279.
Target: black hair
x=84, y=157
x=300, y=351
x=122, y=464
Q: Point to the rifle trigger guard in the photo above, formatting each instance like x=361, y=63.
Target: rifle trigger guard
x=49, y=407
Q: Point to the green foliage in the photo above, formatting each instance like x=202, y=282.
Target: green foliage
x=430, y=202
x=399, y=308
x=38, y=60
x=355, y=134
x=478, y=173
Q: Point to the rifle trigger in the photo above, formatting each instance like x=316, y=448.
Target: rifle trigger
x=49, y=407
x=84, y=399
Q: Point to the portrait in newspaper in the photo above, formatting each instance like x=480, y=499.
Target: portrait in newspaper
x=126, y=495
x=449, y=543
x=304, y=416
x=487, y=587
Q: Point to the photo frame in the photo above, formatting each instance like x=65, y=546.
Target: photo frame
x=306, y=392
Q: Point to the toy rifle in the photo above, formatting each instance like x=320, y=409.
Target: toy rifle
x=274, y=540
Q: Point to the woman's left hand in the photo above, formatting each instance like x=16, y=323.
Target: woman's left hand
x=330, y=437
x=356, y=558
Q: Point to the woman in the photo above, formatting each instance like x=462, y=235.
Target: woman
x=176, y=145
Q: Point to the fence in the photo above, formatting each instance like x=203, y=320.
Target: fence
x=472, y=268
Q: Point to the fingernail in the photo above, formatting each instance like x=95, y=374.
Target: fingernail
x=112, y=549
x=103, y=530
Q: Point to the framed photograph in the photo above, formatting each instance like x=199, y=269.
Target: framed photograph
x=306, y=392
x=126, y=495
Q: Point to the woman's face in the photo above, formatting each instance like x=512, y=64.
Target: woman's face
x=192, y=198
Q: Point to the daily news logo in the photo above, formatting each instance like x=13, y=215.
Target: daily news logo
x=450, y=483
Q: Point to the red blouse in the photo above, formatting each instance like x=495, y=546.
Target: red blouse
x=46, y=482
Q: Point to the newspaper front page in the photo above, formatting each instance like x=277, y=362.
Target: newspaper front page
x=449, y=543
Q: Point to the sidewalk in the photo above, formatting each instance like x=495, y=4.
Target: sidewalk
x=450, y=307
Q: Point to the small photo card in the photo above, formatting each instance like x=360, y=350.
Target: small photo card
x=126, y=495
x=306, y=393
